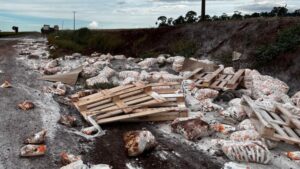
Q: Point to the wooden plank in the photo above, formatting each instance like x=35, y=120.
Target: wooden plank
x=212, y=76
x=256, y=111
x=96, y=97
x=196, y=71
x=236, y=77
x=134, y=115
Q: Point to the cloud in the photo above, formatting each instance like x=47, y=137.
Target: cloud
x=93, y=25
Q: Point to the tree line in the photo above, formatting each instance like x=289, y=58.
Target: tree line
x=191, y=17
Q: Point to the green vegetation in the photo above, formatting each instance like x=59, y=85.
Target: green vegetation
x=287, y=41
x=183, y=48
x=191, y=17
x=11, y=34
x=83, y=41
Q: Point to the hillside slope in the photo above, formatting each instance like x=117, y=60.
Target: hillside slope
x=212, y=40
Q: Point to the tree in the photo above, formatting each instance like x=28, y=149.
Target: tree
x=237, y=15
x=179, y=21
x=297, y=12
x=255, y=15
x=162, y=21
x=279, y=11
x=170, y=21
x=190, y=17
x=224, y=17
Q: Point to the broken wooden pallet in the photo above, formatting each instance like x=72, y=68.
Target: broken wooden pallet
x=123, y=99
x=280, y=125
x=217, y=79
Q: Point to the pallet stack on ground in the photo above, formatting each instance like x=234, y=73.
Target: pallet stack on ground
x=136, y=102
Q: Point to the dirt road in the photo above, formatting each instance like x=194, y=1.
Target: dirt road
x=16, y=125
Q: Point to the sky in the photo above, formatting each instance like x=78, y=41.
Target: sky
x=105, y=14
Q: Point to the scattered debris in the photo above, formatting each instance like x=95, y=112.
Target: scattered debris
x=223, y=128
x=67, y=158
x=33, y=150
x=6, y=84
x=68, y=120
x=80, y=165
x=137, y=142
x=250, y=151
x=191, y=128
x=67, y=78
x=293, y=155
x=26, y=105
x=37, y=138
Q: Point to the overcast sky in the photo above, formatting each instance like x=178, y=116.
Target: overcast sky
x=32, y=14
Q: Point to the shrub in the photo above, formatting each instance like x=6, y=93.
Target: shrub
x=286, y=41
x=183, y=48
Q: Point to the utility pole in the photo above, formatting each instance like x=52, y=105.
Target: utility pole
x=74, y=12
x=62, y=25
x=203, y=10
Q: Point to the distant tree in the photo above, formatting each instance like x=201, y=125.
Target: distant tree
x=215, y=18
x=255, y=15
x=279, y=11
x=179, y=21
x=224, y=17
x=170, y=21
x=297, y=12
x=246, y=16
x=237, y=15
x=162, y=21
x=208, y=18
x=190, y=17
x=265, y=14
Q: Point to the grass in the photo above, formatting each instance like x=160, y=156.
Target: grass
x=84, y=41
x=183, y=48
x=287, y=40
x=12, y=34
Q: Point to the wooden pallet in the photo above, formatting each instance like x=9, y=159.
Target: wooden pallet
x=123, y=99
x=166, y=87
x=217, y=79
x=172, y=109
x=280, y=125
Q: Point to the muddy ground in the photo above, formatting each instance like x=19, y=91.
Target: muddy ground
x=16, y=125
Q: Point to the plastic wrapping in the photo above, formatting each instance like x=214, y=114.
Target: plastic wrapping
x=202, y=94
x=136, y=142
x=246, y=125
x=37, y=138
x=148, y=62
x=190, y=128
x=250, y=151
x=126, y=74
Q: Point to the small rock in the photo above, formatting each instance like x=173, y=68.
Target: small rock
x=6, y=84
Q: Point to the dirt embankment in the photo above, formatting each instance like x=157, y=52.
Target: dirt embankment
x=213, y=40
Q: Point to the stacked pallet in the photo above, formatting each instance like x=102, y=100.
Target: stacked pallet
x=136, y=102
x=217, y=79
x=280, y=125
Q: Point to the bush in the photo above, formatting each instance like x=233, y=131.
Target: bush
x=286, y=41
x=183, y=48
